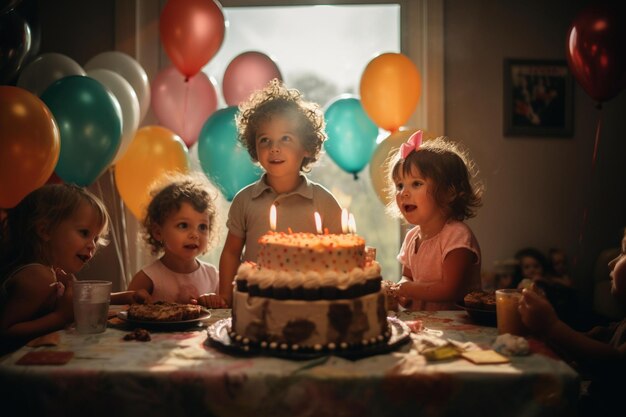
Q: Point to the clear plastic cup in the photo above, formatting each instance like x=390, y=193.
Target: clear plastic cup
x=91, y=305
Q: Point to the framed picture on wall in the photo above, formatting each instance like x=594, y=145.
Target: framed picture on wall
x=538, y=98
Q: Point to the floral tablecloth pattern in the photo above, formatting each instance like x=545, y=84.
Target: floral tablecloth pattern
x=177, y=374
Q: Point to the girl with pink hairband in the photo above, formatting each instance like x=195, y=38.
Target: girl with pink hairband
x=431, y=185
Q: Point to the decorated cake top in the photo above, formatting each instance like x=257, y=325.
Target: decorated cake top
x=313, y=241
x=306, y=252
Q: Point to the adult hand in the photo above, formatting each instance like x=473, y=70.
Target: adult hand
x=537, y=313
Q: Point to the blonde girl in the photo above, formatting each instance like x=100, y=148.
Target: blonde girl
x=44, y=240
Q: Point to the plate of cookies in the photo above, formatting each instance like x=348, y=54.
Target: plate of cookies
x=165, y=316
x=480, y=306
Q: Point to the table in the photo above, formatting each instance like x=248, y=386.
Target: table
x=176, y=374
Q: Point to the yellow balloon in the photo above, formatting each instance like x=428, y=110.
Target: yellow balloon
x=390, y=90
x=383, y=152
x=153, y=152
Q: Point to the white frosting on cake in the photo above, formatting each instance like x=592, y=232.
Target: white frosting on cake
x=268, y=277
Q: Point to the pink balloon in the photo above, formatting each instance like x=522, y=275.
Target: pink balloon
x=183, y=106
x=246, y=73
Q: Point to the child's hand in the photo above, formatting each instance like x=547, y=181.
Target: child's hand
x=405, y=302
x=537, y=312
x=211, y=300
x=63, y=277
x=65, y=303
x=141, y=296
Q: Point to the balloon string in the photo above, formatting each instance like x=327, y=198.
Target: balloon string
x=595, y=145
x=122, y=220
x=184, y=130
x=113, y=233
x=594, y=159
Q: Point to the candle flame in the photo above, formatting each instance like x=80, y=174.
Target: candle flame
x=273, y=218
x=344, y=220
x=351, y=224
x=318, y=223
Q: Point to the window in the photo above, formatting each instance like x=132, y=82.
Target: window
x=322, y=51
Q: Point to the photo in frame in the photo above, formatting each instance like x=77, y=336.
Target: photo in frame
x=538, y=98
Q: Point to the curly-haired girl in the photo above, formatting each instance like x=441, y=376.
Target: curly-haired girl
x=431, y=185
x=284, y=134
x=179, y=224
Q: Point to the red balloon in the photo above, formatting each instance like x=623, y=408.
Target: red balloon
x=595, y=50
x=192, y=31
x=246, y=73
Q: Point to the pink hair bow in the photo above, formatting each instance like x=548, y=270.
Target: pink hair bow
x=411, y=145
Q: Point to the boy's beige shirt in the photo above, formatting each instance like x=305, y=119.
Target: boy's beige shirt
x=248, y=217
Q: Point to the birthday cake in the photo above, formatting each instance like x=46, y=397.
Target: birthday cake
x=309, y=292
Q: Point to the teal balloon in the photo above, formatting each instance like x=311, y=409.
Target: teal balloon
x=90, y=127
x=223, y=160
x=351, y=134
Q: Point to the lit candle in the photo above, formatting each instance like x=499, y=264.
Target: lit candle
x=344, y=220
x=351, y=224
x=273, y=218
x=318, y=223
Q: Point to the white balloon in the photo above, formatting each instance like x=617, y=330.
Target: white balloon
x=129, y=68
x=45, y=70
x=127, y=98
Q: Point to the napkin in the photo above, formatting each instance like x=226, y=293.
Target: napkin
x=45, y=357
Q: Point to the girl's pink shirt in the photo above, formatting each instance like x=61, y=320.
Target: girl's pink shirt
x=426, y=263
x=176, y=287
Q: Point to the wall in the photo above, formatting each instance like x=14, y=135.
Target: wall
x=536, y=187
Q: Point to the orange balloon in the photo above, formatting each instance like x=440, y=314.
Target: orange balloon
x=153, y=152
x=379, y=162
x=390, y=90
x=29, y=144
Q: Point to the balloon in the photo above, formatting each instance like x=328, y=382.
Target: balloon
x=127, y=99
x=351, y=134
x=183, y=106
x=8, y=5
x=154, y=151
x=595, y=49
x=130, y=70
x=228, y=165
x=390, y=89
x=54, y=179
x=246, y=73
x=45, y=70
x=15, y=44
x=89, y=119
x=29, y=144
x=378, y=163
x=191, y=31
